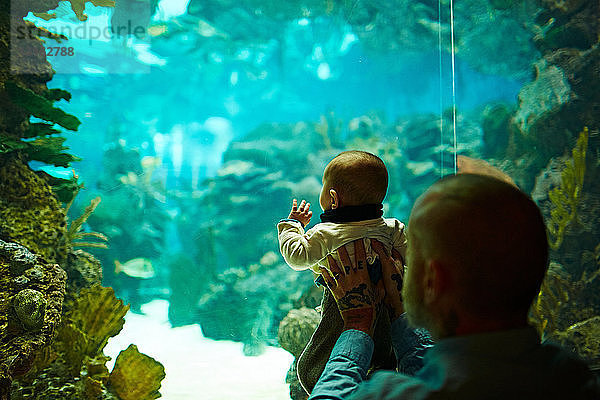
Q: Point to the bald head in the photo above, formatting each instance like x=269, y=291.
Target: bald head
x=491, y=235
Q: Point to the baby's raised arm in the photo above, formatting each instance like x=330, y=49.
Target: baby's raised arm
x=300, y=213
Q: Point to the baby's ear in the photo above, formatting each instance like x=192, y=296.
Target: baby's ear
x=335, y=201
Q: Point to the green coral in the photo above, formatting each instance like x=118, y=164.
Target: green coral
x=544, y=312
x=136, y=376
x=566, y=197
x=64, y=189
x=36, y=141
x=74, y=233
x=561, y=303
x=42, y=107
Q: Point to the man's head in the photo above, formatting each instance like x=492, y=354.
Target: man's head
x=477, y=251
x=353, y=178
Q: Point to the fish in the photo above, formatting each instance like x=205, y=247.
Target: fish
x=158, y=30
x=140, y=268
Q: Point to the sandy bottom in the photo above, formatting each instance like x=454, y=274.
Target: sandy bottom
x=201, y=368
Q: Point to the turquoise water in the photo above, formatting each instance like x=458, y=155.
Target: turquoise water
x=197, y=135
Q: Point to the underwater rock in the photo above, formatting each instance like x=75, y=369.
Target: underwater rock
x=495, y=124
x=30, y=214
x=30, y=310
x=547, y=179
x=247, y=305
x=35, y=274
x=74, y=367
x=83, y=271
x=567, y=24
x=20, y=258
x=297, y=392
x=30, y=307
x=136, y=376
x=296, y=329
x=545, y=95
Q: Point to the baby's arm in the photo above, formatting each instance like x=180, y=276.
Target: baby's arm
x=399, y=241
x=299, y=249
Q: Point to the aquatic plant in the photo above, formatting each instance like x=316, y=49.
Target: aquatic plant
x=544, y=312
x=560, y=305
x=136, y=376
x=566, y=197
x=36, y=140
x=42, y=107
x=74, y=231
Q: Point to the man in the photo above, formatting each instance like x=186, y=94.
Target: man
x=477, y=254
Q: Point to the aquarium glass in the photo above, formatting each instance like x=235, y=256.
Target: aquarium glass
x=190, y=125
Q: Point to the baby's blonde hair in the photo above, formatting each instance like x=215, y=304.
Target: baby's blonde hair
x=358, y=177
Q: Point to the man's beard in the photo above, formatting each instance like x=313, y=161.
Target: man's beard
x=419, y=316
x=414, y=305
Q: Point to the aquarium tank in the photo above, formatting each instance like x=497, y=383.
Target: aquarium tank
x=148, y=149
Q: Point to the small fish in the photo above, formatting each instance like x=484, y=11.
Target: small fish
x=158, y=30
x=205, y=29
x=136, y=268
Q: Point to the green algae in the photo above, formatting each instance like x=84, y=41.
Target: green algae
x=42, y=107
x=565, y=198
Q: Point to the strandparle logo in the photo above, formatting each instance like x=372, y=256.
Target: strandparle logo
x=82, y=31
x=97, y=44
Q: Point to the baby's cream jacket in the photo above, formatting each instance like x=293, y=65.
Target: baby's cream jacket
x=303, y=250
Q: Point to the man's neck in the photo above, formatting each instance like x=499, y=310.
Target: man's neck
x=472, y=326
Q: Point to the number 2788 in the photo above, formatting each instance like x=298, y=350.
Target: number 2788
x=60, y=51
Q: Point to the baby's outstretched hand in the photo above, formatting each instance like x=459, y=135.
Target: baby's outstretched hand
x=301, y=212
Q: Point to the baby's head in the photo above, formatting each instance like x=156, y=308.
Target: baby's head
x=353, y=178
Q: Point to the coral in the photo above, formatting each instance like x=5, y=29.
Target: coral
x=44, y=148
x=297, y=392
x=40, y=106
x=136, y=376
x=259, y=296
x=495, y=125
x=30, y=214
x=565, y=307
x=543, y=96
x=64, y=189
x=83, y=270
x=296, y=329
x=565, y=198
x=74, y=366
x=570, y=23
x=583, y=338
x=74, y=231
x=30, y=308
x=544, y=313
x=98, y=314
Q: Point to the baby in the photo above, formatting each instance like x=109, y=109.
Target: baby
x=354, y=186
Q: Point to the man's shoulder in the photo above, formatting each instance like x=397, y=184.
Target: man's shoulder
x=392, y=385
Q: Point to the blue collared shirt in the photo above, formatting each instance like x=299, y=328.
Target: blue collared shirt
x=508, y=364
x=351, y=356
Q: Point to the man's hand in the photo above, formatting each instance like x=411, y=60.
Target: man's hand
x=301, y=213
x=357, y=298
x=392, y=270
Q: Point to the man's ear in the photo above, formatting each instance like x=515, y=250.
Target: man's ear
x=435, y=281
x=335, y=201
